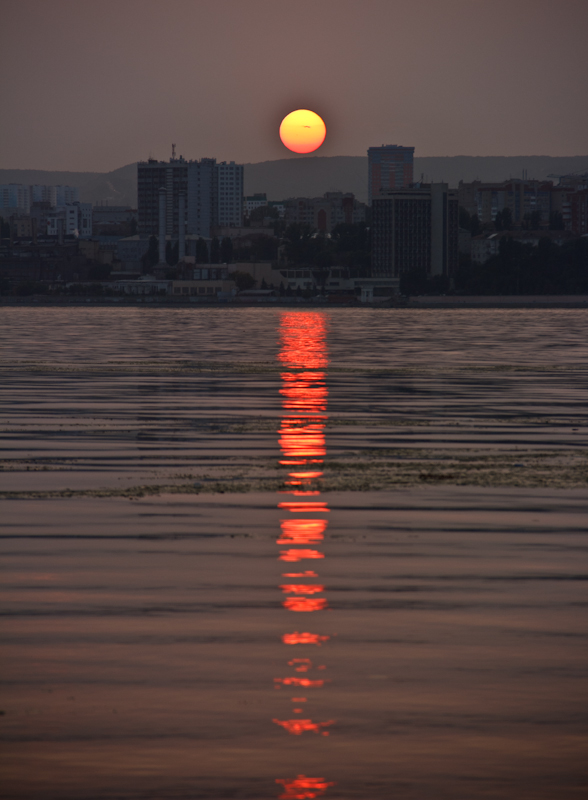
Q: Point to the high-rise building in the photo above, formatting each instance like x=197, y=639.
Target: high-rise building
x=230, y=194
x=214, y=195
x=21, y=196
x=415, y=228
x=389, y=167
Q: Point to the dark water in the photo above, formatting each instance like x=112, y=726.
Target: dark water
x=427, y=641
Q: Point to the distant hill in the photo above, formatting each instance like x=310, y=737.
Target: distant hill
x=117, y=188
x=312, y=176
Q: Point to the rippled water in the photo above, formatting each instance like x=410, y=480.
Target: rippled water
x=415, y=642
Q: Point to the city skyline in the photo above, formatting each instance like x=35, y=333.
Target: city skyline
x=122, y=82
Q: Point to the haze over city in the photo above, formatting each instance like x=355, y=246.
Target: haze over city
x=94, y=86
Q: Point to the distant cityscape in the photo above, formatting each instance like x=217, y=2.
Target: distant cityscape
x=195, y=237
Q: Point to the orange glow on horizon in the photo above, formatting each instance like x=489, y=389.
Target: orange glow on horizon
x=302, y=588
x=302, y=131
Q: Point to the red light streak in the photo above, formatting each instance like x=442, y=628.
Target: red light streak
x=295, y=681
x=304, y=638
x=298, y=726
x=304, y=664
x=305, y=604
x=308, y=574
x=299, y=555
x=292, y=505
x=303, y=788
x=302, y=441
x=302, y=531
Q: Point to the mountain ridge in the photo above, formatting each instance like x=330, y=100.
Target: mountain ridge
x=311, y=176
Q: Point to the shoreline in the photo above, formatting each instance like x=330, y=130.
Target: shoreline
x=419, y=302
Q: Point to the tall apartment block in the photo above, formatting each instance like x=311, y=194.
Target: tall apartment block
x=415, y=228
x=389, y=167
x=19, y=197
x=213, y=192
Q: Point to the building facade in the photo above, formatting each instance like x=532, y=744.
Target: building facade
x=415, y=229
x=324, y=213
x=389, y=167
x=213, y=192
x=20, y=197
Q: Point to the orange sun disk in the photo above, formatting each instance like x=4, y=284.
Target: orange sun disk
x=302, y=131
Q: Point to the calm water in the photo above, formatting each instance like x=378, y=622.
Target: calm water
x=426, y=641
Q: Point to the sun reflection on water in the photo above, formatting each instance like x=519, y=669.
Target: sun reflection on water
x=302, y=442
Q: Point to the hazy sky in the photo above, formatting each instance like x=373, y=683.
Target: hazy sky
x=96, y=84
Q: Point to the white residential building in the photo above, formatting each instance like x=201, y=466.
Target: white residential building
x=230, y=194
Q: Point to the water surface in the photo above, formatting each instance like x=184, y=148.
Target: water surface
x=365, y=578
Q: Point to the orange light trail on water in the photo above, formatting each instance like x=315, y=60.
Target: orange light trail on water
x=294, y=506
x=303, y=788
x=304, y=664
x=307, y=574
x=299, y=555
x=301, y=437
x=305, y=604
x=302, y=531
x=295, y=681
x=299, y=726
x=304, y=638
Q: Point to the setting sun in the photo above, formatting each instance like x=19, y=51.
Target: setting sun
x=303, y=131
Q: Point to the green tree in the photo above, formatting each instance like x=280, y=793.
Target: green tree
x=99, y=272
x=556, y=221
x=243, y=280
x=226, y=250
x=201, y=251
x=151, y=257
x=503, y=220
x=258, y=215
x=214, y=251
x=172, y=253
x=413, y=282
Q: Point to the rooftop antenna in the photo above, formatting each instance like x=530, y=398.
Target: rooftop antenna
x=173, y=152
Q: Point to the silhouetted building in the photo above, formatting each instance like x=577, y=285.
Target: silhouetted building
x=323, y=213
x=523, y=198
x=389, y=167
x=415, y=229
x=22, y=196
x=214, y=195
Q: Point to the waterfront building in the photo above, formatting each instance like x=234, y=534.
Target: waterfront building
x=415, y=229
x=389, y=167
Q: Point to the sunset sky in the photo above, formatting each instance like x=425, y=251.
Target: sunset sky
x=96, y=85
